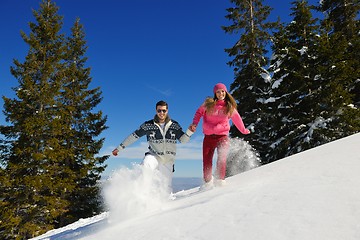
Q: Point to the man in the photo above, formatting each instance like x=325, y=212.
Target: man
x=162, y=134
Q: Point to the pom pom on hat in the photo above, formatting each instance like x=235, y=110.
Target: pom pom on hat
x=219, y=86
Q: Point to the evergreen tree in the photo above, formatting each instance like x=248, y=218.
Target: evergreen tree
x=4, y=151
x=85, y=126
x=292, y=84
x=313, y=85
x=251, y=84
x=337, y=67
x=342, y=18
x=50, y=170
x=33, y=174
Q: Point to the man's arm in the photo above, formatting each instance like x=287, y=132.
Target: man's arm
x=186, y=136
x=130, y=140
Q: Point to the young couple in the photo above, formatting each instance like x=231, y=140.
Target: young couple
x=163, y=133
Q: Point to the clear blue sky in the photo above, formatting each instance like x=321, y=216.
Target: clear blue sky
x=140, y=52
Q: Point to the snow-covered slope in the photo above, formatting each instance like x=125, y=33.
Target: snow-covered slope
x=311, y=195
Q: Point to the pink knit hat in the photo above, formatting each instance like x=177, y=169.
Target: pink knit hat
x=220, y=86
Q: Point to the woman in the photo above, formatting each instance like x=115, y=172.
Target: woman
x=216, y=113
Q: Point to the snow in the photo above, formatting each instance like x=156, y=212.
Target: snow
x=319, y=122
x=310, y=195
x=277, y=83
x=266, y=76
x=303, y=50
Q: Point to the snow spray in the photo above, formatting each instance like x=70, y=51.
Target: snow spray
x=241, y=157
x=132, y=192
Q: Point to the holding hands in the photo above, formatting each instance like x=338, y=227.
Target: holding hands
x=115, y=152
x=192, y=127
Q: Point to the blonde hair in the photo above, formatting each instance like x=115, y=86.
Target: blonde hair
x=231, y=104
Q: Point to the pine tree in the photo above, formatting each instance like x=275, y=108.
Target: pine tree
x=85, y=126
x=50, y=170
x=342, y=17
x=292, y=84
x=4, y=153
x=313, y=84
x=338, y=71
x=251, y=84
x=33, y=191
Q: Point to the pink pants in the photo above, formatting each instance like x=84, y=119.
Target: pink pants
x=221, y=142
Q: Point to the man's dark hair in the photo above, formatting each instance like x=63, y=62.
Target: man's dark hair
x=162, y=103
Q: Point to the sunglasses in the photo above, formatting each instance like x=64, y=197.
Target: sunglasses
x=161, y=110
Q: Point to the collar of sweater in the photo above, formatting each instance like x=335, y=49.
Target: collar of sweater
x=221, y=102
x=156, y=119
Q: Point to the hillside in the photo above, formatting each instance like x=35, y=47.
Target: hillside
x=310, y=195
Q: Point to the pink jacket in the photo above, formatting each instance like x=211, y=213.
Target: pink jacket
x=217, y=122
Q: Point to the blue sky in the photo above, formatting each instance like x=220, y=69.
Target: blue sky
x=140, y=52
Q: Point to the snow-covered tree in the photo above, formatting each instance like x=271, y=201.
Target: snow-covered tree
x=342, y=18
x=252, y=81
x=314, y=74
x=337, y=66
x=292, y=84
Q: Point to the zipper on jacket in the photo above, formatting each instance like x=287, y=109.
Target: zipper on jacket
x=163, y=132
